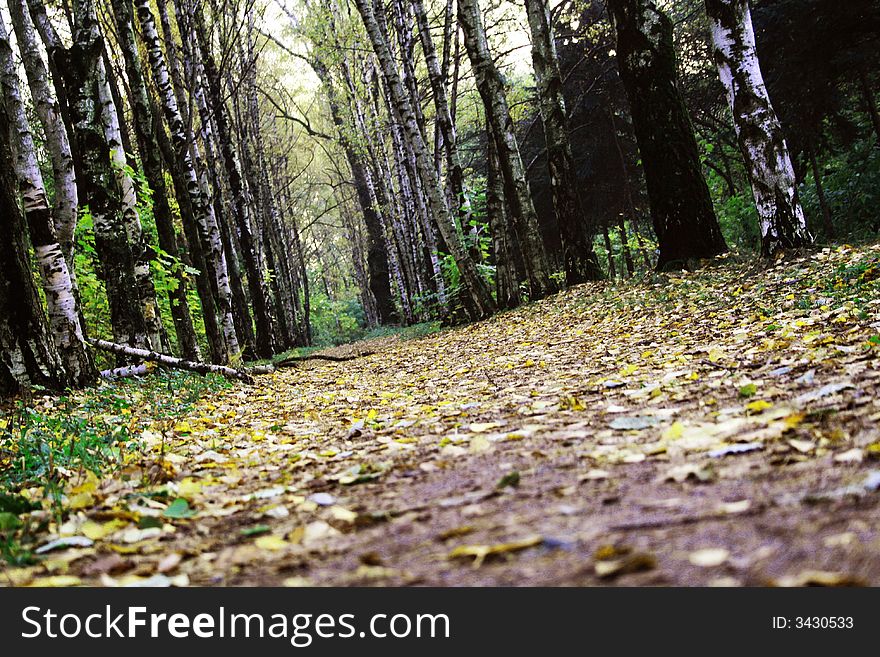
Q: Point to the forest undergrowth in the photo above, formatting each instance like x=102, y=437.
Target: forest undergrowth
x=709, y=427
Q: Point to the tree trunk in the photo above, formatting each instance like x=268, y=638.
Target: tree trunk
x=65, y=205
x=262, y=316
x=474, y=283
x=505, y=255
x=445, y=124
x=681, y=207
x=151, y=163
x=208, y=231
x=59, y=63
x=576, y=229
x=170, y=361
x=98, y=186
x=27, y=354
x=516, y=186
x=60, y=294
x=761, y=141
x=377, y=255
x=141, y=249
x=610, y=251
x=820, y=192
x=870, y=103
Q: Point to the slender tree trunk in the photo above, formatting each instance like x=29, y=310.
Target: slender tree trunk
x=57, y=285
x=141, y=249
x=65, y=205
x=516, y=186
x=59, y=63
x=624, y=245
x=761, y=141
x=262, y=316
x=506, y=279
x=208, y=232
x=870, y=103
x=445, y=124
x=610, y=251
x=98, y=186
x=27, y=353
x=576, y=229
x=681, y=207
x=151, y=163
x=377, y=255
x=820, y=192
x=474, y=283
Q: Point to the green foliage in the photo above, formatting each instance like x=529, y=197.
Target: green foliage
x=335, y=321
x=47, y=444
x=851, y=180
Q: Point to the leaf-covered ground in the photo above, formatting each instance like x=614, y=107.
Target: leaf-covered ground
x=717, y=427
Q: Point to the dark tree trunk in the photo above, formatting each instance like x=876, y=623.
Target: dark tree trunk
x=504, y=253
x=377, y=255
x=575, y=228
x=681, y=207
x=820, y=192
x=98, y=185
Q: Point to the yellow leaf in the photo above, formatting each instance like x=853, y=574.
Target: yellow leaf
x=482, y=427
x=97, y=531
x=480, y=552
x=56, y=581
x=674, y=432
x=758, y=406
x=189, y=487
x=271, y=542
x=81, y=501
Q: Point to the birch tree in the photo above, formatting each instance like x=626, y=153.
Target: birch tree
x=98, y=186
x=141, y=250
x=516, y=186
x=148, y=147
x=475, y=285
x=66, y=200
x=681, y=207
x=64, y=321
x=262, y=316
x=576, y=229
x=758, y=129
x=202, y=213
x=27, y=352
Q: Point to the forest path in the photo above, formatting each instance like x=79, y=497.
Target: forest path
x=714, y=427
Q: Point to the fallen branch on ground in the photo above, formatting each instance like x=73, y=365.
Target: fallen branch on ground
x=167, y=361
x=293, y=360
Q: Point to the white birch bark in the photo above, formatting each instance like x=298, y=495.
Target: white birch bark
x=65, y=205
x=476, y=285
x=130, y=216
x=209, y=232
x=758, y=129
x=58, y=288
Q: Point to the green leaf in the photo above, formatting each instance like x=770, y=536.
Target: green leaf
x=9, y=522
x=16, y=504
x=748, y=390
x=148, y=522
x=511, y=479
x=179, y=508
x=255, y=530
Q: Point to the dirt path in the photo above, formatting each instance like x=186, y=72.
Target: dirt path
x=714, y=428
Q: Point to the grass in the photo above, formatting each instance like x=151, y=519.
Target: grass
x=48, y=443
